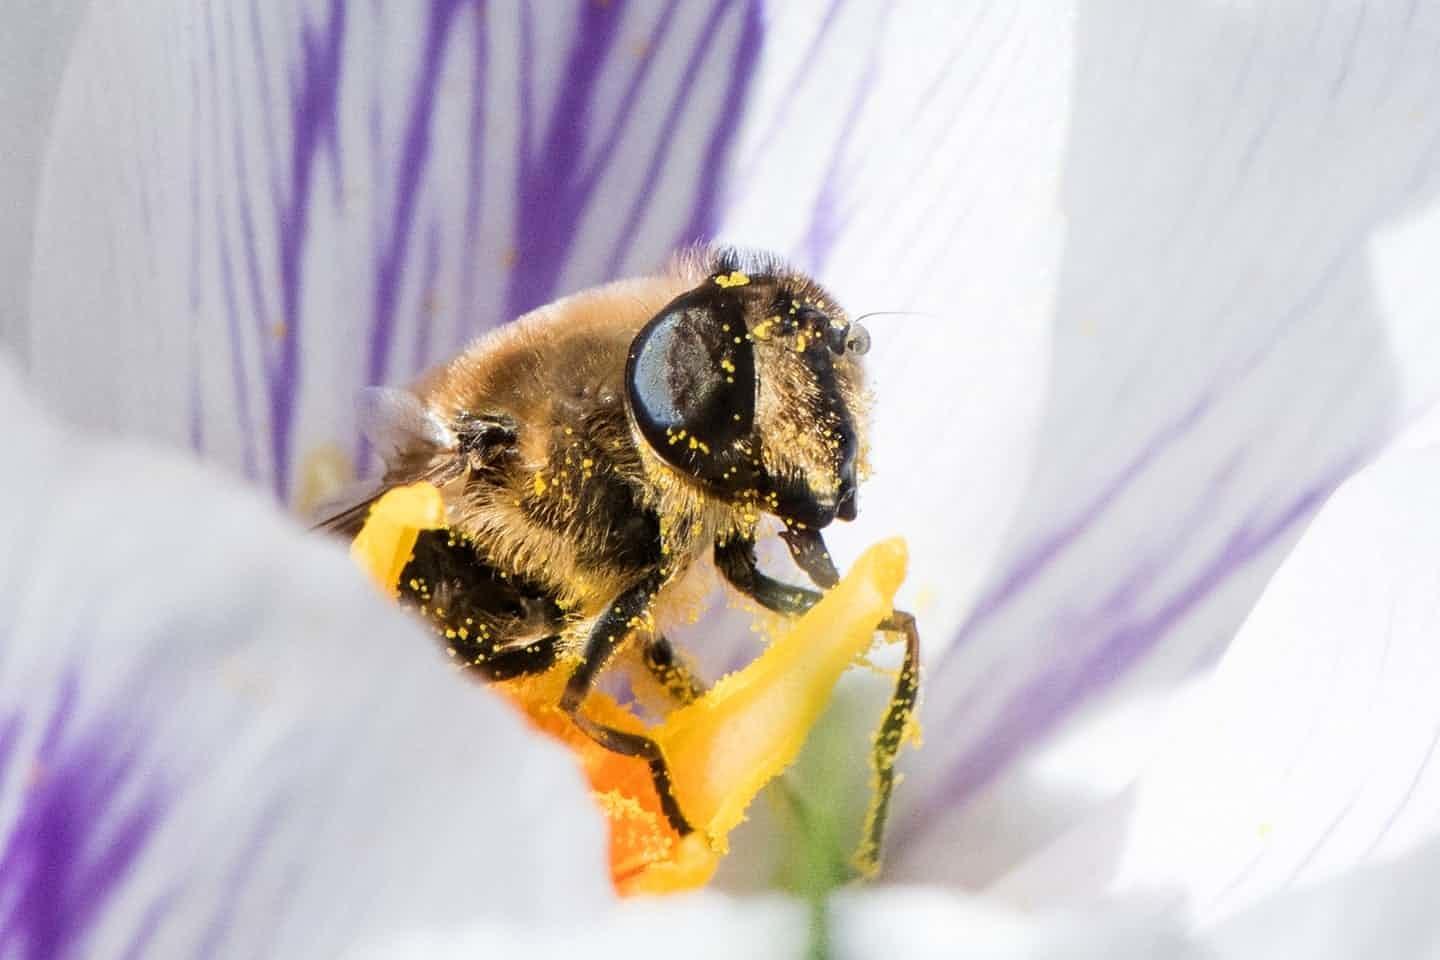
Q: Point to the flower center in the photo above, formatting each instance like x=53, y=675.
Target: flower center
x=722, y=749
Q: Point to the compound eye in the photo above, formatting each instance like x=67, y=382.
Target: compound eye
x=691, y=387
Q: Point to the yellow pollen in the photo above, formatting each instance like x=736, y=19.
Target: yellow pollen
x=721, y=749
x=734, y=279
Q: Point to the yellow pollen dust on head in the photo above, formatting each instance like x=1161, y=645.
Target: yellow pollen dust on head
x=733, y=279
x=722, y=749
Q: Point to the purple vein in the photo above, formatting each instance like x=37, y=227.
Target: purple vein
x=704, y=211
x=80, y=829
x=668, y=130
x=474, y=186
x=414, y=156
x=826, y=222
x=227, y=275
x=197, y=394
x=1038, y=558
x=313, y=122
x=262, y=79
x=242, y=200
x=804, y=64
x=630, y=98
x=1052, y=695
x=551, y=191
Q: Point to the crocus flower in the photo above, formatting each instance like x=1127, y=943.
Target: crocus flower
x=1176, y=272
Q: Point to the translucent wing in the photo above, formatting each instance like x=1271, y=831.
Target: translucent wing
x=399, y=425
x=411, y=440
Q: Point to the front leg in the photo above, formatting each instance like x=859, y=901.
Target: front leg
x=736, y=560
x=808, y=550
x=624, y=615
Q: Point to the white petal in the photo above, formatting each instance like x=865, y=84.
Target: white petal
x=33, y=46
x=262, y=207
x=1183, y=265
x=897, y=922
x=217, y=738
x=1311, y=750
x=701, y=926
x=919, y=922
x=1377, y=911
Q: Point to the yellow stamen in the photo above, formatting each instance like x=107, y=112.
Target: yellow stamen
x=728, y=744
x=385, y=544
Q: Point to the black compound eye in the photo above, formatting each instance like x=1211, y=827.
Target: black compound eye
x=837, y=336
x=690, y=382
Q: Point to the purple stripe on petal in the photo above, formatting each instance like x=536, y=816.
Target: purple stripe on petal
x=227, y=276
x=242, y=196
x=630, y=98
x=704, y=214
x=1056, y=693
x=9, y=735
x=262, y=77
x=826, y=220
x=526, y=135
x=80, y=828
x=552, y=191
x=238, y=878
x=149, y=925
x=313, y=119
x=700, y=223
x=414, y=155
x=474, y=189
x=193, y=295
x=196, y=426
x=1033, y=561
x=797, y=77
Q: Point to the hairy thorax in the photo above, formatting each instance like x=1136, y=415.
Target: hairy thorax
x=580, y=505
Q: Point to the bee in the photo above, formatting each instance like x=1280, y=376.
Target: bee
x=592, y=451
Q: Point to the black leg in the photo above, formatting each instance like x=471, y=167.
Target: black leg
x=624, y=615
x=808, y=549
x=637, y=745
x=736, y=560
x=898, y=718
x=671, y=671
x=512, y=662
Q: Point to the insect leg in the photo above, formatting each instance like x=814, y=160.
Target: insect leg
x=671, y=671
x=808, y=549
x=613, y=628
x=893, y=730
x=507, y=663
x=736, y=560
